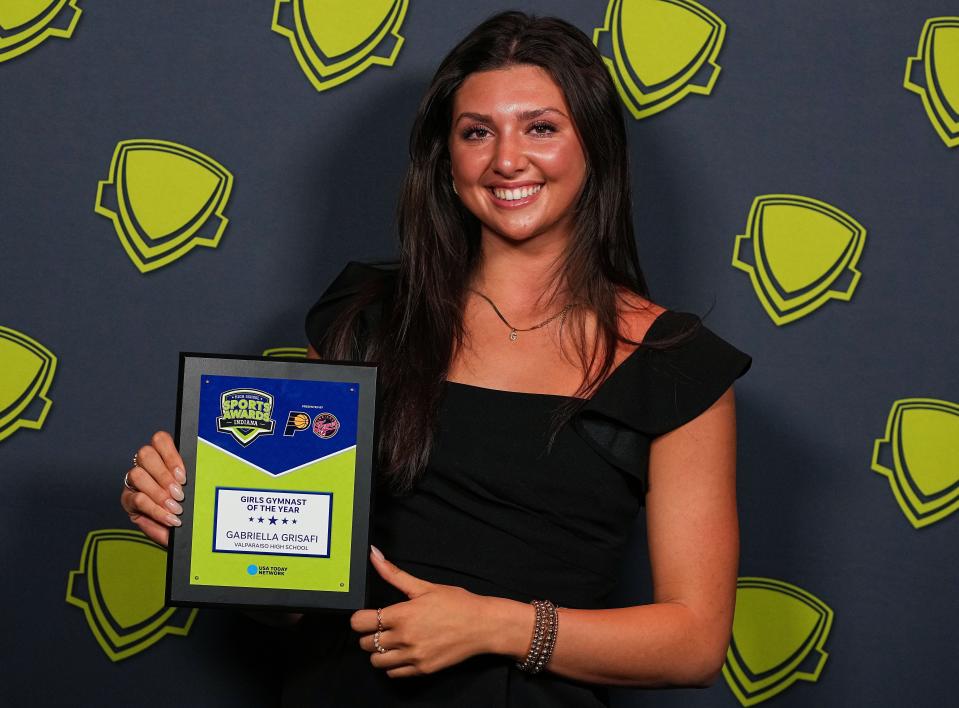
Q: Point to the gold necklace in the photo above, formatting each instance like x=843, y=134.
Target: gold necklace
x=514, y=331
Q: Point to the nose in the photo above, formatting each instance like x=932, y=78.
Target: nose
x=510, y=157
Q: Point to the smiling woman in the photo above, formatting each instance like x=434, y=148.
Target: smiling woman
x=534, y=400
x=520, y=168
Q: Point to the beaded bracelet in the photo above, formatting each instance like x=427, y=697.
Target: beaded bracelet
x=541, y=645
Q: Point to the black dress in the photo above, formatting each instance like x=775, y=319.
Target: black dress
x=498, y=514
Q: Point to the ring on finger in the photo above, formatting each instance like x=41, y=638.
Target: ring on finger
x=128, y=484
x=379, y=619
x=376, y=643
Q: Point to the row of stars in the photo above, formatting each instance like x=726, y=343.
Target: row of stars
x=272, y=520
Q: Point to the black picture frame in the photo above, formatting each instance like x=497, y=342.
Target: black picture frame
x=180, y=591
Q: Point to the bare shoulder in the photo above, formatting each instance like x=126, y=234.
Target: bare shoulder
x=636, y=314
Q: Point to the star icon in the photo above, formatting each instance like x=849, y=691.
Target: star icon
x=260, y=520
x=285, y=520
x=273, y=521
x=294, y=521
x=251, y=518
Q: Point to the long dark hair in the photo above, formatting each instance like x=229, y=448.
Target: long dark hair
x=440, y=239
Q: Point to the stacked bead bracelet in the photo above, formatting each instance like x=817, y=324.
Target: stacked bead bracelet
x=544, y=637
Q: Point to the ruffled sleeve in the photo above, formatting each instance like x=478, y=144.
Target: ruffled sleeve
x=656, y=390
x=367, y=286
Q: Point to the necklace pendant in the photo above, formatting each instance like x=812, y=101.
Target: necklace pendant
x=513, y=335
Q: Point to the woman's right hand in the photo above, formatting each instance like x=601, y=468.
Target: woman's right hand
x=158, y=478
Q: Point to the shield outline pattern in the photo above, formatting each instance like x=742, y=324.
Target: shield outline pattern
x=749, y=692
x=39, y=30
x=932, y=100
x=147, y=257
x=781, y=309
x=10, y=421
x=643, y=105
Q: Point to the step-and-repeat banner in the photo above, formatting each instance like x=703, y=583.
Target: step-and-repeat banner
x=190, y=176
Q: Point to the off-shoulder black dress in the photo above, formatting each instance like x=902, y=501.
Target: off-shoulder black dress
x=499, y=515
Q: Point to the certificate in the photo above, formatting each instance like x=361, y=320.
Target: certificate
x=279, y=458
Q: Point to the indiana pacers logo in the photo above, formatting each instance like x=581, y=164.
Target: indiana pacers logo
x=295, y=422
x=120, y=588
x=26, y=23
x=934, y=74
x=246, y=414
x=285, y=352
x=336, y=40
x=26, y=373
x=660, y=51
x=919, y=455
x=800, y=253
x=779, y=631
x=164, y=199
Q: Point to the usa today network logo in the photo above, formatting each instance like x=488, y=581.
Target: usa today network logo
x=254, y=569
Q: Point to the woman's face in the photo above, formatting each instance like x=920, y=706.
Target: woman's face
x=512, y=135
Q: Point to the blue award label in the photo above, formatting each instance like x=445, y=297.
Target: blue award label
x=277, y=425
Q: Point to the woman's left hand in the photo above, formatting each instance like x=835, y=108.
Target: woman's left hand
x=440, y=625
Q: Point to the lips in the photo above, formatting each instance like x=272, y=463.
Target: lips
x=512, y=197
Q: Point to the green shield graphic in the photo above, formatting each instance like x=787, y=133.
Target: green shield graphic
x=335, y=40
x=120, y=588
x=26, y=373
x=799, y=253
x=26, y=23
x=934, y=74
x=779, y=631
x=164, y=199
x=919, y=455
x=286, y=352
x=660, y=51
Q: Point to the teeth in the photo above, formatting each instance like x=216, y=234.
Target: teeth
x=511, y=194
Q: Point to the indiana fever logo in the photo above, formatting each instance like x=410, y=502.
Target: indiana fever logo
x=325, y=425
x=336, y=40
x=246, y=414
x=26, y=23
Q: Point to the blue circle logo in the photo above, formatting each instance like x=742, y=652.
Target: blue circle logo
x=252, y=569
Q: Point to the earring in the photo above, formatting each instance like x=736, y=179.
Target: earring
x=454, y=188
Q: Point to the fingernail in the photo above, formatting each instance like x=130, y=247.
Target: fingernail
x=176, y=491
x=173, y=506
x=172, y=520
x=377, y=552
x=179, y=474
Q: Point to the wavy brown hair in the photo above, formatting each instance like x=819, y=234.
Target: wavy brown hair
x=440, y=239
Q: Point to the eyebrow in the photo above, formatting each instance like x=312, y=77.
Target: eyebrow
x=525, y=115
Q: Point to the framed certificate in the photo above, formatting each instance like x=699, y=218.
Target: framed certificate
x=279, y=457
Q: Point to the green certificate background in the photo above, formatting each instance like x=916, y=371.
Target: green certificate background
x=215, y=468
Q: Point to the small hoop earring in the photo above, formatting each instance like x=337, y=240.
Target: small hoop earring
x=454, y=188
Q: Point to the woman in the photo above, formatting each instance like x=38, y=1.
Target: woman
x=534, y=399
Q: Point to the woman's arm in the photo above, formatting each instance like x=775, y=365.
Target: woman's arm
x=693, y=535
x=679, y=639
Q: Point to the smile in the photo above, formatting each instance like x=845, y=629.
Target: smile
x=515, y=197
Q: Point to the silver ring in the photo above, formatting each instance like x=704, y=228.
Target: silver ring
x=126, y=483
x=376, y=643
x=379, y=619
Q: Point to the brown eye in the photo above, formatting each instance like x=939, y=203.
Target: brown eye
x=475, y=132
x=543, y=128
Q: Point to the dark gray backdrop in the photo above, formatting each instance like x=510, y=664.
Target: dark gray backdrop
x=809, y=101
